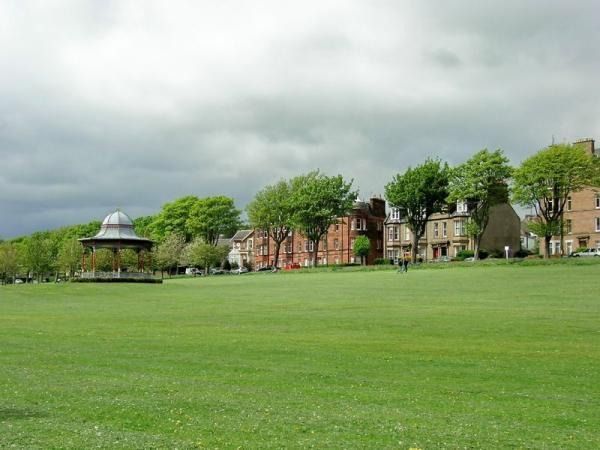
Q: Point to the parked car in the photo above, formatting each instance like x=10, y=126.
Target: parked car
x=587, y=252
x=217, y=271
x=239, y=270
x=265, y=269
x=18, y=281
x=292, y=266
x=193, y=271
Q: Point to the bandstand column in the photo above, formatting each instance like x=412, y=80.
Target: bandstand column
x=83, y=260
x=93, y=260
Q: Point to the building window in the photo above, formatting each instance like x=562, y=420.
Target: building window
x=390, y=233
x=550, y=205
x=361, y=224
x=444, y=229
x=459, y=228
x=597, y=223
x=390, y=254
x=337, y=227
x=336, y=244
x=569, y=226
x=406, y=233
x=250, y=242
x=436, y=229
x=352, y=243
x=378, y=244
x=325, y=244
x=299, y=246
x=597, y=201
x=461, y=207
x=569, y=204
x=379, y=226
x=309, y=246
x=395, y=214
x=353, y=224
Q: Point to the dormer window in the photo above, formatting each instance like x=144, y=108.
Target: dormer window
x=395, y=214
x=461, y=207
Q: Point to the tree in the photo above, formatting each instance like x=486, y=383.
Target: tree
x=69, y=256
x=545, y=180
x=169, y=251
x=318, y=201
x=362, y=247
x=212, y=217
x=201, y=254
x=272, y=210
x=173, y=218
x=419, y=193
x=481, y=183
x=38, y=255
x=9, y=260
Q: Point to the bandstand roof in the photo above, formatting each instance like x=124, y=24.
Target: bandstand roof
x=117, y=231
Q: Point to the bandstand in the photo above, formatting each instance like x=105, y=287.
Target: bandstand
x=117, y=234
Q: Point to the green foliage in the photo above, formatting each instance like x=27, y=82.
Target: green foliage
x=70, y=256
x=201, y=254
x=39, y=254
x=419, y=192
x=382, y=261
x=481, y=183
x=168, y=253
x=272, y=210
x=545, y=180
x=362, y=247
x=143, y=226
x=9, y=260
x=464, y=254
x=318, y=201
x=212, y=217
x=173, y=219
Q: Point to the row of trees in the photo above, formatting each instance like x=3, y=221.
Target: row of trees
x=543, y=182
x=188, y=229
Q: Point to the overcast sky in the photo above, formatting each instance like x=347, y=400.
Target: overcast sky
x=135, y=103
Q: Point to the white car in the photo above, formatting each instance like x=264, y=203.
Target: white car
x=587, y=252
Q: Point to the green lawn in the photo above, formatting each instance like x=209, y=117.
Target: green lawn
x=484, y=357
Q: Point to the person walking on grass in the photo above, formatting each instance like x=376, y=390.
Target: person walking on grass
x=405, y=264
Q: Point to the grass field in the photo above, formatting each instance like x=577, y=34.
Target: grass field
x=485, y=357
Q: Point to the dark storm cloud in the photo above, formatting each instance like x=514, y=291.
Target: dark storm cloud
x=133, y=104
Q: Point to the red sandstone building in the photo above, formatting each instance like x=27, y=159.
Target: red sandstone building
x=336, y=247
x=581, y=216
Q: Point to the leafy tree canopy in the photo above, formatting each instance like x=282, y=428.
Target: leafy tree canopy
x=212, y=217
x=419, y=192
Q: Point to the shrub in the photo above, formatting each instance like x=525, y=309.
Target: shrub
x=464, y=254
x=226, y=265
x=496, y=254
x=581, y=249
x=522, y=253
x=383, y=261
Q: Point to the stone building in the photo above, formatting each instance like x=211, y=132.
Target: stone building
x=446, y=232
x=242, y=248
x=336, y=247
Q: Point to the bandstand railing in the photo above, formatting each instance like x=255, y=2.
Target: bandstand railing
x=109, y=275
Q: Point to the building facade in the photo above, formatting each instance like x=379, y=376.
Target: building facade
x=581, y=216
x=446, y=233
x=242, y=248
x=366, y=219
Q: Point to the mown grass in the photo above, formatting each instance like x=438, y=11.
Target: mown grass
x=491, y=357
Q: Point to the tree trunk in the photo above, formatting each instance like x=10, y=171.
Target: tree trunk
x=547, y=246
x=315, y=252
x=415, y=248
x=276, y=260
x=477, y=244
